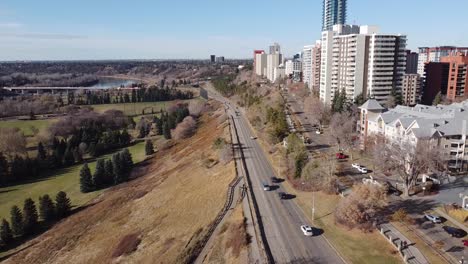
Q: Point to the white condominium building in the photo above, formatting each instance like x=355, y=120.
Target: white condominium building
x=261, y=64
x=273, y=61
x=292, y=67
x=311, y=55
x=359, y=60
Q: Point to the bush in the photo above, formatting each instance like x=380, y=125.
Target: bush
x=400, y=215
x=185, y=129
x=127, y=245
x=196, y=107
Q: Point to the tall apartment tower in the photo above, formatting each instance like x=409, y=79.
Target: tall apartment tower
x=359, y=60
x=457, y=86
x=311, y=56
x=334, y=12
x=434, y=54
x=411, y=89
x=275, y=48
x=411, y=62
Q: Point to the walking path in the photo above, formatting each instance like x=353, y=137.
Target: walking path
x=409, y=252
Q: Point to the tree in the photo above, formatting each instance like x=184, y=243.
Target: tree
x=360, y=99
x=437, y=99
x=127, y=161
x=46, y=208
x=149, y=148
x=408, y=160
x=30, y=219
x=41, y=152
x=6, y=234
x=142, y=132
x=16, y=221
x=86, y=180
x=343, y=126
x=125, y=137
x=62, y=205
x=109, y=172
x=117, y=168
x=166, y=130
x=185, y=129
x=316, y=111
x=3, y=169
x=68, y=158
x=99, y=177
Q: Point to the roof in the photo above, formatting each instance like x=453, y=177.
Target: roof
x=372, y=104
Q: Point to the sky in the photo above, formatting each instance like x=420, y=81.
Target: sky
x=194, y=29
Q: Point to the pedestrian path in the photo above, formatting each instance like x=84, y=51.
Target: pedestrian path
x=408, y=250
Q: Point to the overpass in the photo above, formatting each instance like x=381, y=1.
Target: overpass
x=53, y=90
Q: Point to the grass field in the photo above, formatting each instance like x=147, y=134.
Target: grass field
x=62, y=180
x=133, y=109
x=26, y=125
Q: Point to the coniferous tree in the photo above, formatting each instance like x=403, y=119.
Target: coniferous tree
x=142, y=132
x=125, y=137
x=127, y=161
x=109, y=172
x=6, y=234
x=30, y=216
x=86, y=179
x=117, y=168
x=159, y=126
x=41, y=152
x=68, y=158
x=166, y=130
x=99, y=176
x=62, y=205
x=46, y=208
x=3, y=169
x=16, y=221
x=149, y=148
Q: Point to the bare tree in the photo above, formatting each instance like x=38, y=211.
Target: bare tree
x=196, y=107
x=343, y=130
x=409, y=160
x=12, y=141
x=185, y=129
x=316, y=110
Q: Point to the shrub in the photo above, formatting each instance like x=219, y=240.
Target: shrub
x=185, y=129
x=127, y=245
x=196, y=107
x=400, y=215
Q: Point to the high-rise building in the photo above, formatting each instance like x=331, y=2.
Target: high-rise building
x=255, y=55
x=411, y=62
x=410, y=91
x=334, y=13
x=220, y=59
x=273, y=62
x=212, y=58
x=261, y=64
x=311, y=65
x=275, y=48
x=435, y=81
x=359, y=60
x=434, y=54
x=457, y=86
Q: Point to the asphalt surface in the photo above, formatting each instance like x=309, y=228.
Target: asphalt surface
x=281, y=218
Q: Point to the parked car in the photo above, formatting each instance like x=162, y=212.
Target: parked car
x=341, y=156
x=362, y=169
x=454, y=232
x=307, y=140
x=266, y=187
x=282, y=195
x=355, y=165
x=318, y=132
x=275, y=180
x=253, y=137
x=465, y=242
x=307, y=230
x=433, y=218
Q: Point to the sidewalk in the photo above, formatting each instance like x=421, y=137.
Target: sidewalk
x=410, y=252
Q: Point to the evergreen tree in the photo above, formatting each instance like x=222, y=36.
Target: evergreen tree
x=127, y=160
x=117, y=168
x=46, y=208
x=360, y=100
x=125, y=137
x=62, y=205
x=166, y=130
x=30, y=216
x=99, y=176
x=68, y=158
x=149, y=148
x=142, y=132
x=41, y=152
x=437, y=99
x=3, y=169
x=16, y=221
x=6, y=235
x=159, y=127
x=86, y=180
x=109, y=172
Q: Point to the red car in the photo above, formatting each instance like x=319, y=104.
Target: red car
x=465, y=242
x=341, y=156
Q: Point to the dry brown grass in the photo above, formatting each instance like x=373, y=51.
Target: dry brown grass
x=127, y=245
x=166, y=206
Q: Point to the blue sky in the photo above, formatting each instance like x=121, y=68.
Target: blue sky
x=162, y=29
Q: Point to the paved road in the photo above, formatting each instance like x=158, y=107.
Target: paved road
x=281, y=218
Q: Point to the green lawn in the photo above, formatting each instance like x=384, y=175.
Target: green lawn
x=63, y=180
x=133, y=109
x=25, y=125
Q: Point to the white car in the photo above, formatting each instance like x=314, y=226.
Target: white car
x=266, y=187
x=433, y=218
x=318, y=132
x=253, y=137
x=355, y=165
x=307, y=230
x=362, y=169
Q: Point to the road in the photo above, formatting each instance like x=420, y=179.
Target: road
x=281, y=218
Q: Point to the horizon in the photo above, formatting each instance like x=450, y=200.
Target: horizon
x=157, y=30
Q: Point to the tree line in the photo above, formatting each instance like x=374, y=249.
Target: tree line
x=24, y=223
x=108, y=172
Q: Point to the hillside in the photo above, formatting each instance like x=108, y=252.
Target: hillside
x=157, y=217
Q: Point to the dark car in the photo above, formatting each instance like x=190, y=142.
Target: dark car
x=275, y=180
x=465, y=242
x=340, y=156
x=282, y=195
x=454, y=232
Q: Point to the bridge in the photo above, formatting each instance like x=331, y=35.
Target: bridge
x=53, y=90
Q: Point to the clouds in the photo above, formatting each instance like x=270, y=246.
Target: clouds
x=44, y=36
x=10, y=25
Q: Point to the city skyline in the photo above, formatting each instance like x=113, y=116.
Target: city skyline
x=54, y=30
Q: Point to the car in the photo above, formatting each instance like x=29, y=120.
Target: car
x=253, y=137
x=318, y=132
x=355, y=165
x=465, y=242
x=282, y=195
x=275, y=180
x=307, y=230
x=454, y=232
x=340, y=156
x=362, y=169
x=266, y=187
x=433, y=218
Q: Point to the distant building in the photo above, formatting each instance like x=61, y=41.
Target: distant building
x=293, y=69
x=279, y=73
x=275, y=48
x=435, y=81
x=261, y=64
x=411, y=89
x=411, y=62
x=457, y=86
x=434, y=54
x=311, y=65
x=255, y=55
x=212, y=58
x=333, y=13
x=273, y=61
x=220, y=59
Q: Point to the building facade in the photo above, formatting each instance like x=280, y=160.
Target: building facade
x=273, y=62
x=457, y=86
x=333, y=13
x=261, y=64
x=445, y=126
x=411, y=89
x=435, y=81
x=434, y=54
x=212, y=58
x=411, y=62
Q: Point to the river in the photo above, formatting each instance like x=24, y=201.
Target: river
x=106, y=83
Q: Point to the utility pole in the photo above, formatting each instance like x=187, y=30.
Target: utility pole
x=313, y=207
